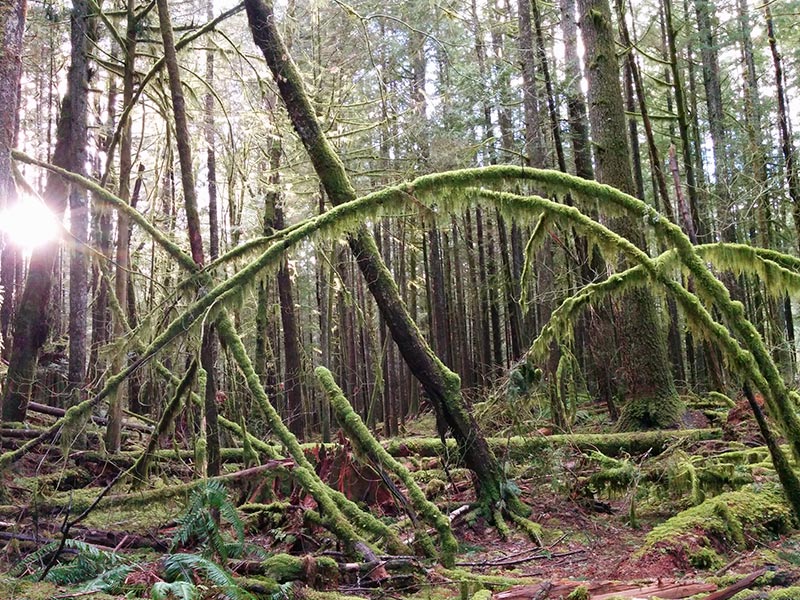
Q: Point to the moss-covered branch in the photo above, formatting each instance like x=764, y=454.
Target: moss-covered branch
x=369, y=447
x=343, y=516
x=139, y=469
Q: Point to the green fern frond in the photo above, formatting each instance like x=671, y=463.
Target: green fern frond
x=180, y=590
x=197, y=524
x=88, y=563
x=184, y=567
x=109, y=581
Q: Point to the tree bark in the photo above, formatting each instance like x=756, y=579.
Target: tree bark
x=208, y=350
x=787, y=146
x=12, y=27
x=651, y=397
x=113, y=437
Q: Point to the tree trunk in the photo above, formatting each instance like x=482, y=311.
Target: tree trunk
x=113, y=437
x=441, y=385
x=651, y=397
x=207, y=353
x=292, y=388
x=12, y=27
x=787, y=146
x=31, y=326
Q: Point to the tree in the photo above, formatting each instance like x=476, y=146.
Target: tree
x=651, y=397
x=31, y=323
x=442, y=386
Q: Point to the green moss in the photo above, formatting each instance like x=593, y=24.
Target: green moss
x=520, y=448
x=496, y=581
x=725, y=522
x=482, y=595
x=285, y=567
x=366, y=444
x=705, y=558
x=579, y=593
x=789, y=593
x=435, y=488
x=312, y=594
x=721, y=399
x=21, y=589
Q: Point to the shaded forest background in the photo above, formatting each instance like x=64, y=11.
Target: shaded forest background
x=402, y=92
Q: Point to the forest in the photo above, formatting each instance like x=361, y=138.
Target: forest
x=430, y=299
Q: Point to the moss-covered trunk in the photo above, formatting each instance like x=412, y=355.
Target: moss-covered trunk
x=441, y=385
x=651, y=397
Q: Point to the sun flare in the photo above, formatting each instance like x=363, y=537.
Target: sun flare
x=29, y=224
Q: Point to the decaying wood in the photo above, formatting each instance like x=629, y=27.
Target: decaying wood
x=605, y=590
x=737, y=587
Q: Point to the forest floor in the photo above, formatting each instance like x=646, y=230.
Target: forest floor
x=674, y=521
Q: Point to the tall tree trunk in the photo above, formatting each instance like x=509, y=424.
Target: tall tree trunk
x=535, y=151
x=683, y=120
x=441, y=385
x=12, y=27
x=211, y=154
x=598, y=321
x=292, y=388
x=651, y=397
x=31, y=326
x=716, y=120
x=113, y=437
x=207, y=352
x=790, y=168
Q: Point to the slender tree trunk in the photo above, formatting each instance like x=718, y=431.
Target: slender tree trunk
x=31, y=327
x=790, y=168
x=683, y=121
x=113, y=437
x=534, y=140
x=293, y=390
x=207, y=352
x=441, y=385
x=211, y=154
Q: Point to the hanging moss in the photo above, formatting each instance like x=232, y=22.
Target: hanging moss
x=369, y=447
x=448, y=189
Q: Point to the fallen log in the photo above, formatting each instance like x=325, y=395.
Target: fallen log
x=606, y=590
x=522, y=447
x=732, y=590
x=54, y=411
x=78, y=503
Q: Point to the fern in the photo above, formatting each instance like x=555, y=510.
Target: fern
x=198, y=523
x=186, y=567
x=110, y=581
x=180, y=590
x=89, y=562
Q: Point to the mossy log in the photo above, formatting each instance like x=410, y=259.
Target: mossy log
x=524, y=447
x=730, y=521
x=368, y=447
x=80, y=500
